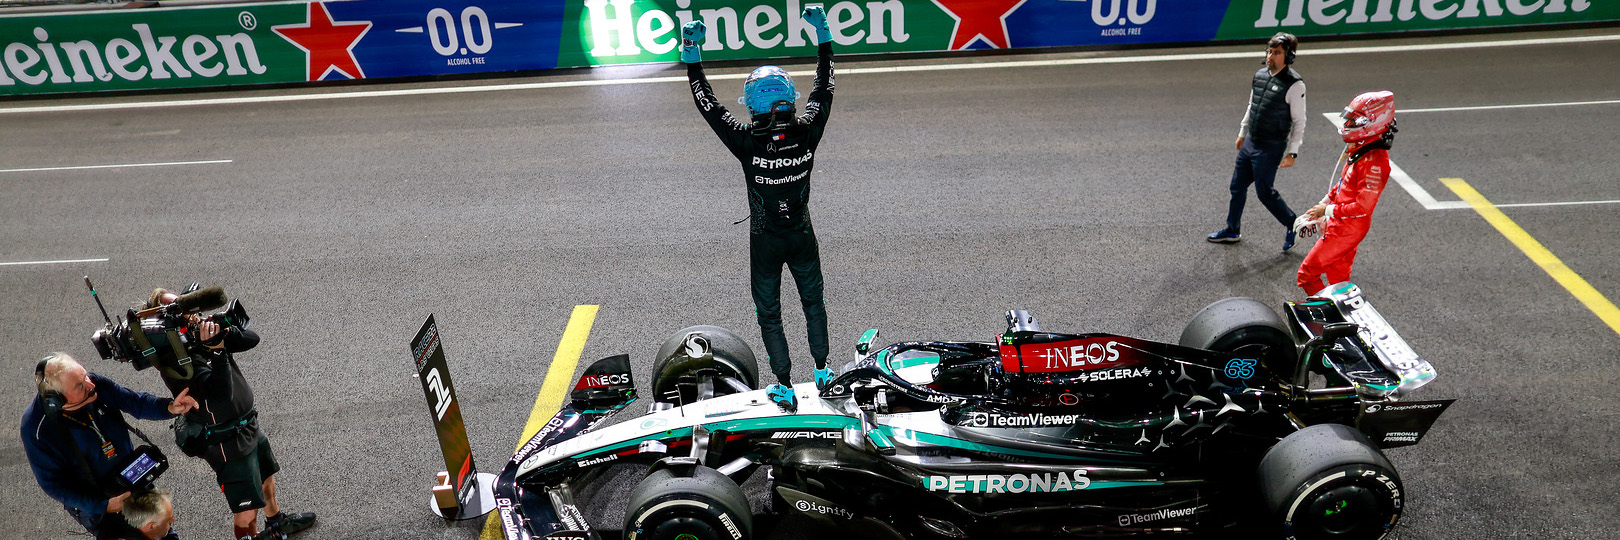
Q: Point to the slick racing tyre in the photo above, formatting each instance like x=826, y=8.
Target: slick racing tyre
x=1328, y=482
x=682, y=359
x=703, y=506
x=1243, y=326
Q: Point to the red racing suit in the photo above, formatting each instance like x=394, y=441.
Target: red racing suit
x=1349, y=214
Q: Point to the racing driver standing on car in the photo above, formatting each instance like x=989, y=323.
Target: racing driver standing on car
x=1345, y=214
x=777, y=151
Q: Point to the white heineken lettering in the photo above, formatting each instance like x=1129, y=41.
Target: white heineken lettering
x=1330, y=12
x=781, y=162
x=84, y=62
x=1017, y=483
x=616, y=31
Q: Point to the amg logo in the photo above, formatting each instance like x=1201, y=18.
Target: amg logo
x=783, y=162
x=1126, y=520
x=1018, y=483
x=595, y=461
x=805, y=435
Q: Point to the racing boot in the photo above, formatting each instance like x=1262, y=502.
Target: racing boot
x=286, y=523
x=782, y=396
x=824, y=377
x=1288, y=241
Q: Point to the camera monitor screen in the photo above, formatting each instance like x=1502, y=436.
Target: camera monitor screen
x=138, y=468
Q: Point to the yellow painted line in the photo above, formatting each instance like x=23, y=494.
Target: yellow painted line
x=552, y=390
x=1577, y=286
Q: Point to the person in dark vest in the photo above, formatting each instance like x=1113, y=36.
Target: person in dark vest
x=777, y=152
x=1268, y=139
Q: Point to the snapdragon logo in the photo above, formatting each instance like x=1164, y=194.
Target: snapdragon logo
x=1332, y=12
x=627, y=28
x=1017, y=483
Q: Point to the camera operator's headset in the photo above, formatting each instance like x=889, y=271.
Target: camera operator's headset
x=52, y=400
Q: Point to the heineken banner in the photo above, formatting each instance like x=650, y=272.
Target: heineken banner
x=292, y=42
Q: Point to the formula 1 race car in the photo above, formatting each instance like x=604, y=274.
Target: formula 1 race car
x=1252, y=425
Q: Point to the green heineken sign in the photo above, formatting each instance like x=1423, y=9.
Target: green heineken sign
x=123, y=50
x=1260, y=18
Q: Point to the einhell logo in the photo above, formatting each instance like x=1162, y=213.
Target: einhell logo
x=1328, y=13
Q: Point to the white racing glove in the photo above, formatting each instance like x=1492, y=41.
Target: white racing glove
x=1305, y=227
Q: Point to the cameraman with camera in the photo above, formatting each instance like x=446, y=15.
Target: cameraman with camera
x=224, y=428
x=78, y=443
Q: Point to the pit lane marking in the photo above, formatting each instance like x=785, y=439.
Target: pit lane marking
x=66, y=261
x=1517, y=106
x=115, y=166
x=1577, y=286
x=323, y=94
x=552, y=390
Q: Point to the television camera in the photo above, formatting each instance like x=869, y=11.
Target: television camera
x=166, y=336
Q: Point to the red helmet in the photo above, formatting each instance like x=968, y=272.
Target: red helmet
x=1369, y=115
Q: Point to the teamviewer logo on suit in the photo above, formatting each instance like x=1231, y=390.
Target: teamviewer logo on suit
x=979, y=419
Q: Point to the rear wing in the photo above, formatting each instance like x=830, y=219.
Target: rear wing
x=605, y=388
x=1395, y=368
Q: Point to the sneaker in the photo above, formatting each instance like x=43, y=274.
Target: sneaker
x=1223, y=236
x=783, y=397
x=1288, y=241
x=286, y=523
x=824, y=377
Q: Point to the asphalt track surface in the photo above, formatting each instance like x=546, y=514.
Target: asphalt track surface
x=942, y=198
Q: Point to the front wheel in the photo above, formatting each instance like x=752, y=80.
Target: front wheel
x=699, y=355
x=1328, y=482
x=701, y=505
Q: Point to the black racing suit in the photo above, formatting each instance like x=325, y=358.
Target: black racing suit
x=776, y=168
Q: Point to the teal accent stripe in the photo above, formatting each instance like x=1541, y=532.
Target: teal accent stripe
x=681, y=433
x=930, y=438
x=1106, y=485
x=805, y=421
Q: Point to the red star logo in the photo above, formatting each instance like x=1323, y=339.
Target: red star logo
x=329, y=45
x=977, y=19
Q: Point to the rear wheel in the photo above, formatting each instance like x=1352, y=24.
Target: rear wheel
x=1328, y=482
x=702, y=505
x=682, y=367
x=1246, y=327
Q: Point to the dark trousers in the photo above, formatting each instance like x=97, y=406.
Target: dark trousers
x=1257, y=164
x=767, y=252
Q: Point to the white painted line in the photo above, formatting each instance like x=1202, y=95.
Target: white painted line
x=81, y=167
x=1570, y=203
x=1520, y=106
x=894, y=69
x=52, y=262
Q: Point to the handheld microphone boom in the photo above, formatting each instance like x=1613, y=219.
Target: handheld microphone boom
x=201, y=300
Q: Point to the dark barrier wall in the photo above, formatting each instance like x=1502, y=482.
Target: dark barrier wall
x=317, y=41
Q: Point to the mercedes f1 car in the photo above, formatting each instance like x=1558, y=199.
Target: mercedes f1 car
x=1252, y=424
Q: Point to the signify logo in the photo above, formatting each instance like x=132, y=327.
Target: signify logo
x=156, y=57
x=655, y=31
x=1331, y=12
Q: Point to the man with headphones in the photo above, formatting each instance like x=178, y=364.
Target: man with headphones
x=75, y=435
x=777, y=151
x=1269, y=138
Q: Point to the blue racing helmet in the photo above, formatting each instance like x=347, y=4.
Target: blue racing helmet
x=768, y=90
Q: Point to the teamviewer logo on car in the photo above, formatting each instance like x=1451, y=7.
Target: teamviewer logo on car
x=1125, y=520
x=979, y=419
